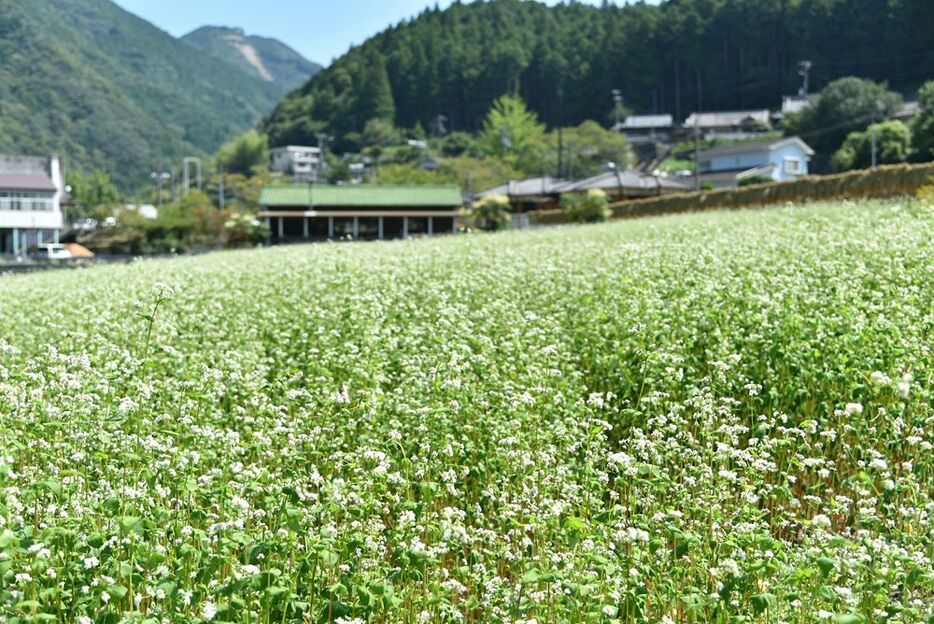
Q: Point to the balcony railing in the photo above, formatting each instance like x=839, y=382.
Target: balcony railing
x=27, y=204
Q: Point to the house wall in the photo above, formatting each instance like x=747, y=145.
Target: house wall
x=778, y=156
x=23, y=222
x=735, y=161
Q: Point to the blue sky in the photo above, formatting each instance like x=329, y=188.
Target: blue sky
x=321, y=30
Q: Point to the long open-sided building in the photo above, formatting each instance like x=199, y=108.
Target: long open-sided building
x=317, y=212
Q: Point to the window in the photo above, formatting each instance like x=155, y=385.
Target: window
x=792, y=166
x=26, y=201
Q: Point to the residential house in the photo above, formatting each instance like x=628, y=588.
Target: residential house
x=529, y=194
x=320, y=212
x=545, y=193
x=907, y=111
x=725, y=166
x=728, y=124
x=31, y=192
x=300, y=162
x=646, y=128
x=622, y=184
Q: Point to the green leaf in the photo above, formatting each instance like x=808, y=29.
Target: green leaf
x=761, y=602
x=826, y=566
x=130, y=524
x=117, y=592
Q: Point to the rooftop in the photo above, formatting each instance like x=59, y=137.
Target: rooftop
x=27, y=182
x=746, y=147
x=545, y=185
x=644, y=122
x=720, y=119
x=370, y=196
x=627, y=179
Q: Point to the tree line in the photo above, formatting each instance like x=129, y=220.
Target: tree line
x=443, y=70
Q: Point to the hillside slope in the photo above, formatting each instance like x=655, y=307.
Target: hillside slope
x=104, y=88
x=565, y=60
x=269, y=59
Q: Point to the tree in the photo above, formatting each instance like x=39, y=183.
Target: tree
x=511, y=130
x=843, y=106
x=922, y=127
x=587, y=149
x=245, y=154
x=893, y=145
x=93, y=194
x=374, y=98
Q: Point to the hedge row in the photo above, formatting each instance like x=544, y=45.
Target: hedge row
x=884, y=181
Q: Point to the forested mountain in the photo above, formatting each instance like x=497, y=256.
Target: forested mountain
x=104, y=88
x=269, y=59
x=565, y=60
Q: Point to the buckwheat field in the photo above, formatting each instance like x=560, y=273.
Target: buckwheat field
x=712, y=418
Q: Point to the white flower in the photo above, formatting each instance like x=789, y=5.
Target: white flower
x=609, y=610
x=904, y=386
x=90, y=563
x=879, y=378
x=208, y=611
x=730, y=566
x=821, y=520
x=853, y=409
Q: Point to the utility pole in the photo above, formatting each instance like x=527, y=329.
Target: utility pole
x=159, y=177
x=220, y=186
x=570, y=163
x=617, y=100
x=696, y=154
x=322, y=140
x=804, y=70
x=560, y=151
x=191, y=160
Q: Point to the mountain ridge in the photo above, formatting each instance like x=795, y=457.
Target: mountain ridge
x=267, y=57
x=106, y=89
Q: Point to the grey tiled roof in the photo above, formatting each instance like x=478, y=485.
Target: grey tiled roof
x=545, y=185
x=723, y=119
x=627, y=179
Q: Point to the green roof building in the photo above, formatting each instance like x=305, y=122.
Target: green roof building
x=318, y=212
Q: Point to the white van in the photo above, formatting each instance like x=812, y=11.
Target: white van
x=53, y=251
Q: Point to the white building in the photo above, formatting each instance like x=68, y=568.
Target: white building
x=725, y=166
x=302, y=163
x=794, y=104
x=31, y=193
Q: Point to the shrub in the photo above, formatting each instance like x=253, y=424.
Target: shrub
x=925, y=194
x=758, y=179
x=594, y=207
x=491, y=213
x=245, y=230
